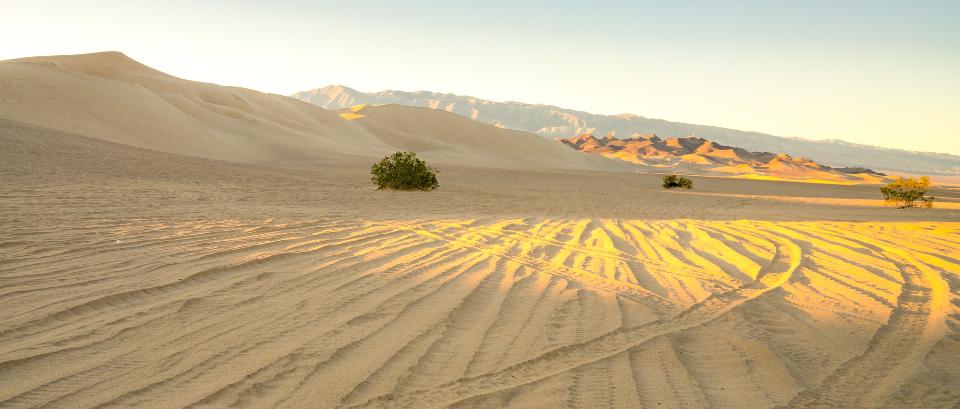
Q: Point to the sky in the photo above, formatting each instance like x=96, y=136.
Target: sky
x=874, y=72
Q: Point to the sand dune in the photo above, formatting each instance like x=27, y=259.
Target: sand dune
x=111, y=97
x=255, y=266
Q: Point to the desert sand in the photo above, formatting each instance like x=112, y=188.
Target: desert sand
x=167, y=243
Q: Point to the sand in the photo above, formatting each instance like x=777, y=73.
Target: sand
x=110, y=97
x=135, y=276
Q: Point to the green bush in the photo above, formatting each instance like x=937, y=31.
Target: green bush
x=908, y=192
x=403, y=171
x=672, y=181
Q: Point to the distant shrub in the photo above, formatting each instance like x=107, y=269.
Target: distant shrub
x=908, y=192
x=403, y=171
x=672, y=181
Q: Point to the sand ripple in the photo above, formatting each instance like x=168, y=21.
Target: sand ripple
x=481, y=313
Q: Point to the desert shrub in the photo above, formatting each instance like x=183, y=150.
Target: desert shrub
x=403, y=171
x=908, y=192
x=672, y=181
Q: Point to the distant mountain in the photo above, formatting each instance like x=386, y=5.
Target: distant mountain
x=553, y=122
x=698, y=155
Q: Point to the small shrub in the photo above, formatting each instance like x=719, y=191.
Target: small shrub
x=908, y=192
x=403, y=171
x=672, y=181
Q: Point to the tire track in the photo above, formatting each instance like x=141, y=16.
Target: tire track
x=866, y=379
x=476, y=312
x=785, y=262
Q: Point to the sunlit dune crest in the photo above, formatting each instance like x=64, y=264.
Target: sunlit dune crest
x=828, y=201
x=756, y=176
x=353, y=112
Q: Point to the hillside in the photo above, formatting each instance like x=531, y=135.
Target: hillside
x=698, y=155
x=553, y=122
x=110, y=97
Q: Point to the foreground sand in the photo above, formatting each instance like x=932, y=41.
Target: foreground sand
x=487, y=313
x=137, y=278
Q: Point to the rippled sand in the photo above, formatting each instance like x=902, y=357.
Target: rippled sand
x=482, y=313
x=132, y=278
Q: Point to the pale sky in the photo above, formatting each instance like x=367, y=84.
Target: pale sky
x=874, y=72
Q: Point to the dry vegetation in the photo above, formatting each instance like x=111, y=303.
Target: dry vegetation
x=403, y=171
x=674, y=181
x=908, y=192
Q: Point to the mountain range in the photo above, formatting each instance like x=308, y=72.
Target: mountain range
x=698, y=155
x=555, y=122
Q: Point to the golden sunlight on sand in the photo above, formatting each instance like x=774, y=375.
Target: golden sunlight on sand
x=353, y=112
x=480, y=313
x=170, y=243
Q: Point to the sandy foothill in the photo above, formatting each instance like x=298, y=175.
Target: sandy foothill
x=692, y=155
x=253, y=264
